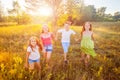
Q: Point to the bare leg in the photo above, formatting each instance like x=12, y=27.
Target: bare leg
x=82, y=57
x=44, y=54
x=48, y=56
x=31, y=66
x=65, y=56
x=87, y=59
x=38, y=66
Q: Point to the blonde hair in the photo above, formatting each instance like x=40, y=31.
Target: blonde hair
x=45, y=25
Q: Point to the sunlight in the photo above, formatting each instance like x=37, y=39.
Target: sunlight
x=45, y=11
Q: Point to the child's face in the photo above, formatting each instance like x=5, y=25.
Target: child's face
x=33, y=42
x=45, y=29
x=67, y=26
x=87, y=26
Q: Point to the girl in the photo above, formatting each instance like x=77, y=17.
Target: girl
x=46, y=39
x=87, y=44
x=33, y=55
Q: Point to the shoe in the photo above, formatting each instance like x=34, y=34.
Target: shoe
x=66, y=62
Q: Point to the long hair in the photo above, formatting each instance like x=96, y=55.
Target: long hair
x=37, y=43
x=83, y=28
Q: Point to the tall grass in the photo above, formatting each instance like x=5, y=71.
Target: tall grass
x=106, y=66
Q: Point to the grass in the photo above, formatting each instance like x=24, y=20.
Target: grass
x=106, y=66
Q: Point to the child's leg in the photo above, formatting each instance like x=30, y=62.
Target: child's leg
x=44, y=54
x=65, y=56
x=65, y=48
x=82, y=56
x=38, y=66
x=48, y=57
x=31, y=66
x=87, y=59
x=49, y=51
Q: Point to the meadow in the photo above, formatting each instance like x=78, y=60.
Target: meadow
x=105, y=66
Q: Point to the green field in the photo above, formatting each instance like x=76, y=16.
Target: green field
x=105, y=66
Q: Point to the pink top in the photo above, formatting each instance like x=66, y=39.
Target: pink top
x=46, y=40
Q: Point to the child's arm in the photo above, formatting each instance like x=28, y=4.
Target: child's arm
x=41, y=43
x=26, y=60
x=75, y=37
x=53, y=36
x=78, y=38
x=58, y=33
x=92, y=37
x=56, y=36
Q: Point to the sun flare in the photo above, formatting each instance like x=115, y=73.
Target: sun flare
x=45, y=11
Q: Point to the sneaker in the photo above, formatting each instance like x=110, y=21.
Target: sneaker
x=66, y=62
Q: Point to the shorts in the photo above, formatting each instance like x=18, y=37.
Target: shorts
x=48, y=48
x=65, y=46
x=32, y=61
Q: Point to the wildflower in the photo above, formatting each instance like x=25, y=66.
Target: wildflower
x=2, y=67
x=1, y=58
x=20, y=75
x=13, y=71
x=100, y=70
x=17, y=60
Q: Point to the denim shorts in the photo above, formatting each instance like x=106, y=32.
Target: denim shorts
x=48, y=48
x=65, y=46
x=32, y=61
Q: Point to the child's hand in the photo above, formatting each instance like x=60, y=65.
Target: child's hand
x=76, y=39
x=26, y=65
x=43, y=50
x=55, y=38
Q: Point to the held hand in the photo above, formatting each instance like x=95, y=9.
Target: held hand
x=76, y=39
x=55, y=38
x=43, y=50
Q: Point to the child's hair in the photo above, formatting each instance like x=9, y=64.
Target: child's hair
x=83, y=28
x=68, y=22
x=45, y=25
x=37, y=42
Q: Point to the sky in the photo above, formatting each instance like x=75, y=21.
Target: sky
x=112, y=5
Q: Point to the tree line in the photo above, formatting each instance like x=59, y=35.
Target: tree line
x=73, y=10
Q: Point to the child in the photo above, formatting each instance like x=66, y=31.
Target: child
x=87, y=44
x=33, y=55
x=66, y=34
x=46, y=39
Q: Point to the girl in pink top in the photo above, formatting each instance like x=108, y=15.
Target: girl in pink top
x=46, y=39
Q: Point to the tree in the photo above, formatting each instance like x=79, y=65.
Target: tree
x=56, y=6
x=101, y=11
x=116, y=16
x=88, y=13
x=72, y=11
x=1, y=12
x=16, y=11
x=24, y=18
